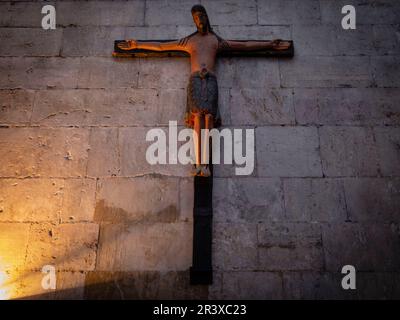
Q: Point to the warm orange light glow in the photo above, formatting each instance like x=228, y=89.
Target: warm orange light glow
x=4, y=290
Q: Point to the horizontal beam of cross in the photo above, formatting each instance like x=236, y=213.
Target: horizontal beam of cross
x=141, y=53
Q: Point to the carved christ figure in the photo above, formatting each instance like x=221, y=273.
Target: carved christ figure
x=202, y=92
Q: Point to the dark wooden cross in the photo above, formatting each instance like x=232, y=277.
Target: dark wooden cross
x=204, y=46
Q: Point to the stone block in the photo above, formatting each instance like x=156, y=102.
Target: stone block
x=68, y=247
x=349, y=106
x=13, y=244
x=370, y=12
x=30, y=200
x=288, y=152
x=101, y=13
x=251, y=285
x=252, y=106
x=348, y=151
x=248, y=73
x=166, y=73
x=140, y=200
x=16, y=106
x=145, y=247
x=253, y=32
x=278, y=12
x=231, y=12
x=99, y=72
x=142, y=285
x=105, y=107
x=247, y=199
x=386, y=39
x=78, y=200
x=373, y=199
x=90, y=40
x=30, y=42
x=22, y=14
x=103, y=161
x=388, y=144
x=133, y=147
x=290, y=246
x=162, y=12
x=367, y=247
x=324, y=71
x=38, y=73
x=314, y=200
x=43, y=152
x=385, y=70
x=333, y=40
x=234, y=246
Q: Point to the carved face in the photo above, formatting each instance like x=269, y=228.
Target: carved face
x=201, y=21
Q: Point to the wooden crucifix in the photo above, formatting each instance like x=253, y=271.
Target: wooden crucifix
x=203, y=47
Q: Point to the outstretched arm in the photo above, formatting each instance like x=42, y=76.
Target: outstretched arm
x=236, y=45
x=175, y=45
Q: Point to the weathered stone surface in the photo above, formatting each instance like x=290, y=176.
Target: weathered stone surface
x=308, y=285
x=252, y=106
x=322, y=72
x=30, y=42
x=373, y=199
x=386, y=39
x=349, y=106
x=170, y=73
x=388, y=144
x=288, y=151
x=106, y=107
x=142, y=285
x=90, y=41
x=368, y=12
x=248, y=73
x=101, y=13
x=283, y=12
x=98, y=72
x=150, y=247
x=133, y=146
x=69, y=247
x=43, y=152
x=231, y=12
x=314, y=200
x=240, y=238
x=78, y=200
x=103, y=161
x=290, y=246
x=69, y=285
x=22, y=14
x=186, y=199
x=13, y=244
x=23, y=200
x=172, y=106
x=333, y=40
x=251, y=285
x=247, y=199
x=385, y=70
x=16, y=106
x=161, y=12
x=156, y=32
x=348, y=151
x=253, y=32
x=38, y=73
x=365, y=246
x=140, y=199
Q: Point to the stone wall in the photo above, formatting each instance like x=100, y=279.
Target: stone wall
x=76, y=191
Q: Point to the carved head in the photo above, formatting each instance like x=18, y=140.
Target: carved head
x=200, y=18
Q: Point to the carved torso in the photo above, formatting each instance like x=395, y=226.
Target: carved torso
x=203, y=51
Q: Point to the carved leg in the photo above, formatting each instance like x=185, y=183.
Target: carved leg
x=197, y=138
x=205, y=154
